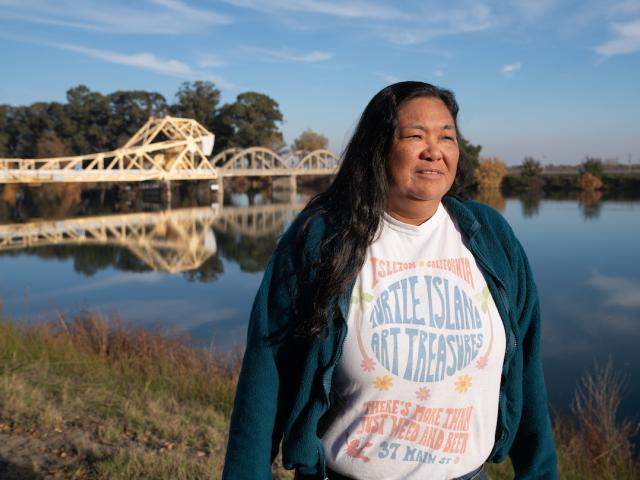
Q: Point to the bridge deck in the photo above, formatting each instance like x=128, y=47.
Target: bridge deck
x=75, y=176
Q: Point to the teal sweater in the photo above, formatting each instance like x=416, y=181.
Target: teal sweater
x=283, y=389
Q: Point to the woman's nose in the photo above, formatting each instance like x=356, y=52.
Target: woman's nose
x=431, y=151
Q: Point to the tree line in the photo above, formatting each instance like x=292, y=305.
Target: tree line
x=91, y=122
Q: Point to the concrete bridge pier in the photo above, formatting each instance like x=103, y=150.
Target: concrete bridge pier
x=165, y=193
x=218, y=188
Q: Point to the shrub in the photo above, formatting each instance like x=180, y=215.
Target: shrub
x=490, y=173
x=589, y=182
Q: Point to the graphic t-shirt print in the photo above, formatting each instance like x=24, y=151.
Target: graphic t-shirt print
x=420, y=370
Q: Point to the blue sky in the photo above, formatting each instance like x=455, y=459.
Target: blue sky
x=552, y=79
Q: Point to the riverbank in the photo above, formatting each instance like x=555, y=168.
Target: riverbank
x=95, y=398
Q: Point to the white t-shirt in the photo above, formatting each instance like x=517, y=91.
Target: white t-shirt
x=419, y=376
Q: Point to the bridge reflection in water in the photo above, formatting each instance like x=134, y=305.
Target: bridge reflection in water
x=169, y=241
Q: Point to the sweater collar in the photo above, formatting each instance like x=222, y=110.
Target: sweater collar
x=464, y=216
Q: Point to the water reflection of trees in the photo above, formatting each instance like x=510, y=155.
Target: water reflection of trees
x=530, y=202
x=591, y=203
x=150, y=241
x=170, y=241
x=250, y=253
x=492, y=197
x=19, y=203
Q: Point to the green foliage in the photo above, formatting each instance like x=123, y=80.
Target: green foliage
x=50, y=145
x=531, y=168
x=130, y=110
x=4, y=135
x=250, y=121
x=91, y=122
x=309, y=141
x=198, y=100
x=472, y=151
x=593, y=166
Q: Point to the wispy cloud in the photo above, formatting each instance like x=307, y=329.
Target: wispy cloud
x=510, y=68
x=620, y=291
x=441, y=22
x=143, y=60
x=148, y=17
x=344, y=9
x=599, y=10
x=439, y=72
x=535, y=8
x=115, y=280
x=286, y=55
x=626, y=40
x=209, y=60
x=387, y=77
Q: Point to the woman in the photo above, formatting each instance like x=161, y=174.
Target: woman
x=396, y=331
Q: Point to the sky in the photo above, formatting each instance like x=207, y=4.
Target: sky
x=553, y=79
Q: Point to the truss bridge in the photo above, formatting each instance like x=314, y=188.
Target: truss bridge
x=260, y=161
x=167, y=148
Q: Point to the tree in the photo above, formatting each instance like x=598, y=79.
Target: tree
x=250, y=121
x=130, y=110
x=472, y=152
x=87, y=125
x=4, y=134
x=490, y=173
x=593, y=166
x=197, y=100
x=530, y=168
x=49, y=145
x=309, y=141
x=589, y=182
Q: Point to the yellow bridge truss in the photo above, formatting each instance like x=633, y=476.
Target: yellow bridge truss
x=167, y=148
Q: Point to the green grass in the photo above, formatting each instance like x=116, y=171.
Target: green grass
x=132, y=403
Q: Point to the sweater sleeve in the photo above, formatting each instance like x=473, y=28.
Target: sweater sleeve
x=252, y=430
x=271, y=369
x=533, y=452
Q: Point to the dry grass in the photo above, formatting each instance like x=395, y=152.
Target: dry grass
x=147, y=398
x=132, y=403
x=595, y=443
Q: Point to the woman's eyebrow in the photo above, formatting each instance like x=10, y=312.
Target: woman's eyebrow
x=419, y=126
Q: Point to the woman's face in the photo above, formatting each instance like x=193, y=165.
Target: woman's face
x=423, y=157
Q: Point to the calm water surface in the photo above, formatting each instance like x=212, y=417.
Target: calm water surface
x=197, y=267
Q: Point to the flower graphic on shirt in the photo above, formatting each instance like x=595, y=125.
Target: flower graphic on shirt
x=383, y=383
x=368, y=364
x=463, y=383
x=484, y=296
x=482, y=362
x=423, y=393
x=355, y=450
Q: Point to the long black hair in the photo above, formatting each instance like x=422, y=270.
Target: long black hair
x=355, y=201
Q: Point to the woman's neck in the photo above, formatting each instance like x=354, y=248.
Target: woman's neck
x=413, y=215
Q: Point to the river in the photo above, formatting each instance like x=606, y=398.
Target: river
x=197, y=265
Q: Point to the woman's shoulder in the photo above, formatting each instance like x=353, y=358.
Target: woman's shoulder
x=306, y=230
x=472, y=214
